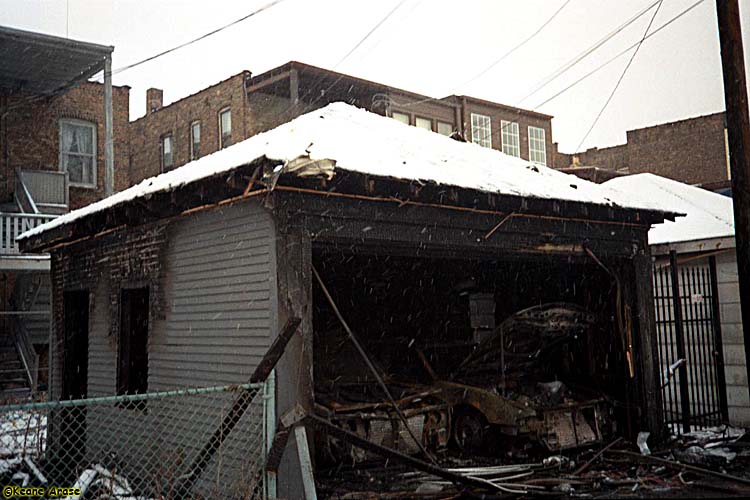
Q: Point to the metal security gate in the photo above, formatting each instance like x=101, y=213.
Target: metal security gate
x=691, y=357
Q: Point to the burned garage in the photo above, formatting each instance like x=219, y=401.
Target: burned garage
x=453, y=302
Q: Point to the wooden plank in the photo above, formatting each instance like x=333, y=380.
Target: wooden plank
x=306, y=467
x=738, y=138
x=648, y=344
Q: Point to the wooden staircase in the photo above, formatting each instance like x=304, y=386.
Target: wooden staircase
x=19, y=362
x=14, y=383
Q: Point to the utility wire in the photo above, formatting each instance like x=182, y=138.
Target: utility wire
x=619, y=81
x=346, y=56
x=567, y=66
x=373, y=30
x=217, y=30
x=515, y=48
x=609, y=61
x=497, y=61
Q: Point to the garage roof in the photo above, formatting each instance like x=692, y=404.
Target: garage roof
x=359, y=141
x=43, y=64
x=709, y=215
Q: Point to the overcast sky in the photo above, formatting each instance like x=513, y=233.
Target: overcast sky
x=426, y=46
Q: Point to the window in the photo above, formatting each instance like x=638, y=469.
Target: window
x=195, y=140
x=402, y=117
x=424, y=123
x=510, y=138
x=225, y=128
x=167, y=152
x=78, y=152
x=132, y=353
x=445, y=128
x=537, y=146
x=481, y=130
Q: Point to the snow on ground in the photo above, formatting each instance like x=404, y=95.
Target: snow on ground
x=709, y=215
x=368, y=143
x=22, y=431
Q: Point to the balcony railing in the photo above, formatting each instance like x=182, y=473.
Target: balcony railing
x=47, y=188
x=13, y=224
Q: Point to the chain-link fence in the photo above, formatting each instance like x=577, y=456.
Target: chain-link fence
x=192, y=443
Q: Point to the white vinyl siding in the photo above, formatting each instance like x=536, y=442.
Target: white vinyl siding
x=537, y=145
x=510, y=138
x=78, y=151
x=481, y=130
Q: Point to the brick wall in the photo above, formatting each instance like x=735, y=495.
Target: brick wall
x=611, y=158
x=175, y=119
x=127, y=258
x=691, y=151
x=30, y=137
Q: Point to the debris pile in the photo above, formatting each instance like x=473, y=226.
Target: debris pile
x=613, y=471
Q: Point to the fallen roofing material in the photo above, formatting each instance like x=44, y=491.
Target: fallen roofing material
x=709, y=215
x=342, y=137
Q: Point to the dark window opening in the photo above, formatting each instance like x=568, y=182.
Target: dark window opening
x=75, y=378
x=167, y=153
x=132, y=365
x=195, y=140
x=225, y=128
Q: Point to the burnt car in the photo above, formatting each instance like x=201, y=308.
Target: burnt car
x=521, y=381
x=513, y=382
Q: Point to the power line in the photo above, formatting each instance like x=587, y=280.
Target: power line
x=217, y=30
x=516, y=47
x=624, y=71
x=606, y=63
x=346, y=56
x=373, y=30
x=567, y=66
x=496, y=62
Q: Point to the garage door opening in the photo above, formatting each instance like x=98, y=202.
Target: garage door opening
x=486, y=358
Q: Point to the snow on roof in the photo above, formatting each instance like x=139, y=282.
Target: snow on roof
x=709, y=215
x=368, y=143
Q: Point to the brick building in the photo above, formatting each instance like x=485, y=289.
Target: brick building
x=693, y=151
x=33, y=133
x=244, y=105
x=63, y=145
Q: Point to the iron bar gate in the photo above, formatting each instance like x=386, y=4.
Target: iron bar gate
x=691, y=355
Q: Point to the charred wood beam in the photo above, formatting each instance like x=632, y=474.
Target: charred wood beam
x=371, y=366
x=287, y=421
x=334, y=431
x=335, y=213
x=429, y=235
x=157, y=206
x=352, y=182
x=679, y=466
x=274, y=353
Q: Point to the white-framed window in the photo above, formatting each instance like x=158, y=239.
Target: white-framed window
x=481, y=130
x=78, y=151
x=537, y=145
x=195, y=140
x=444, y=128
x=510, y=138
x=401, y=117
x=225, y=128
x=424, y=123
x=167, y=152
